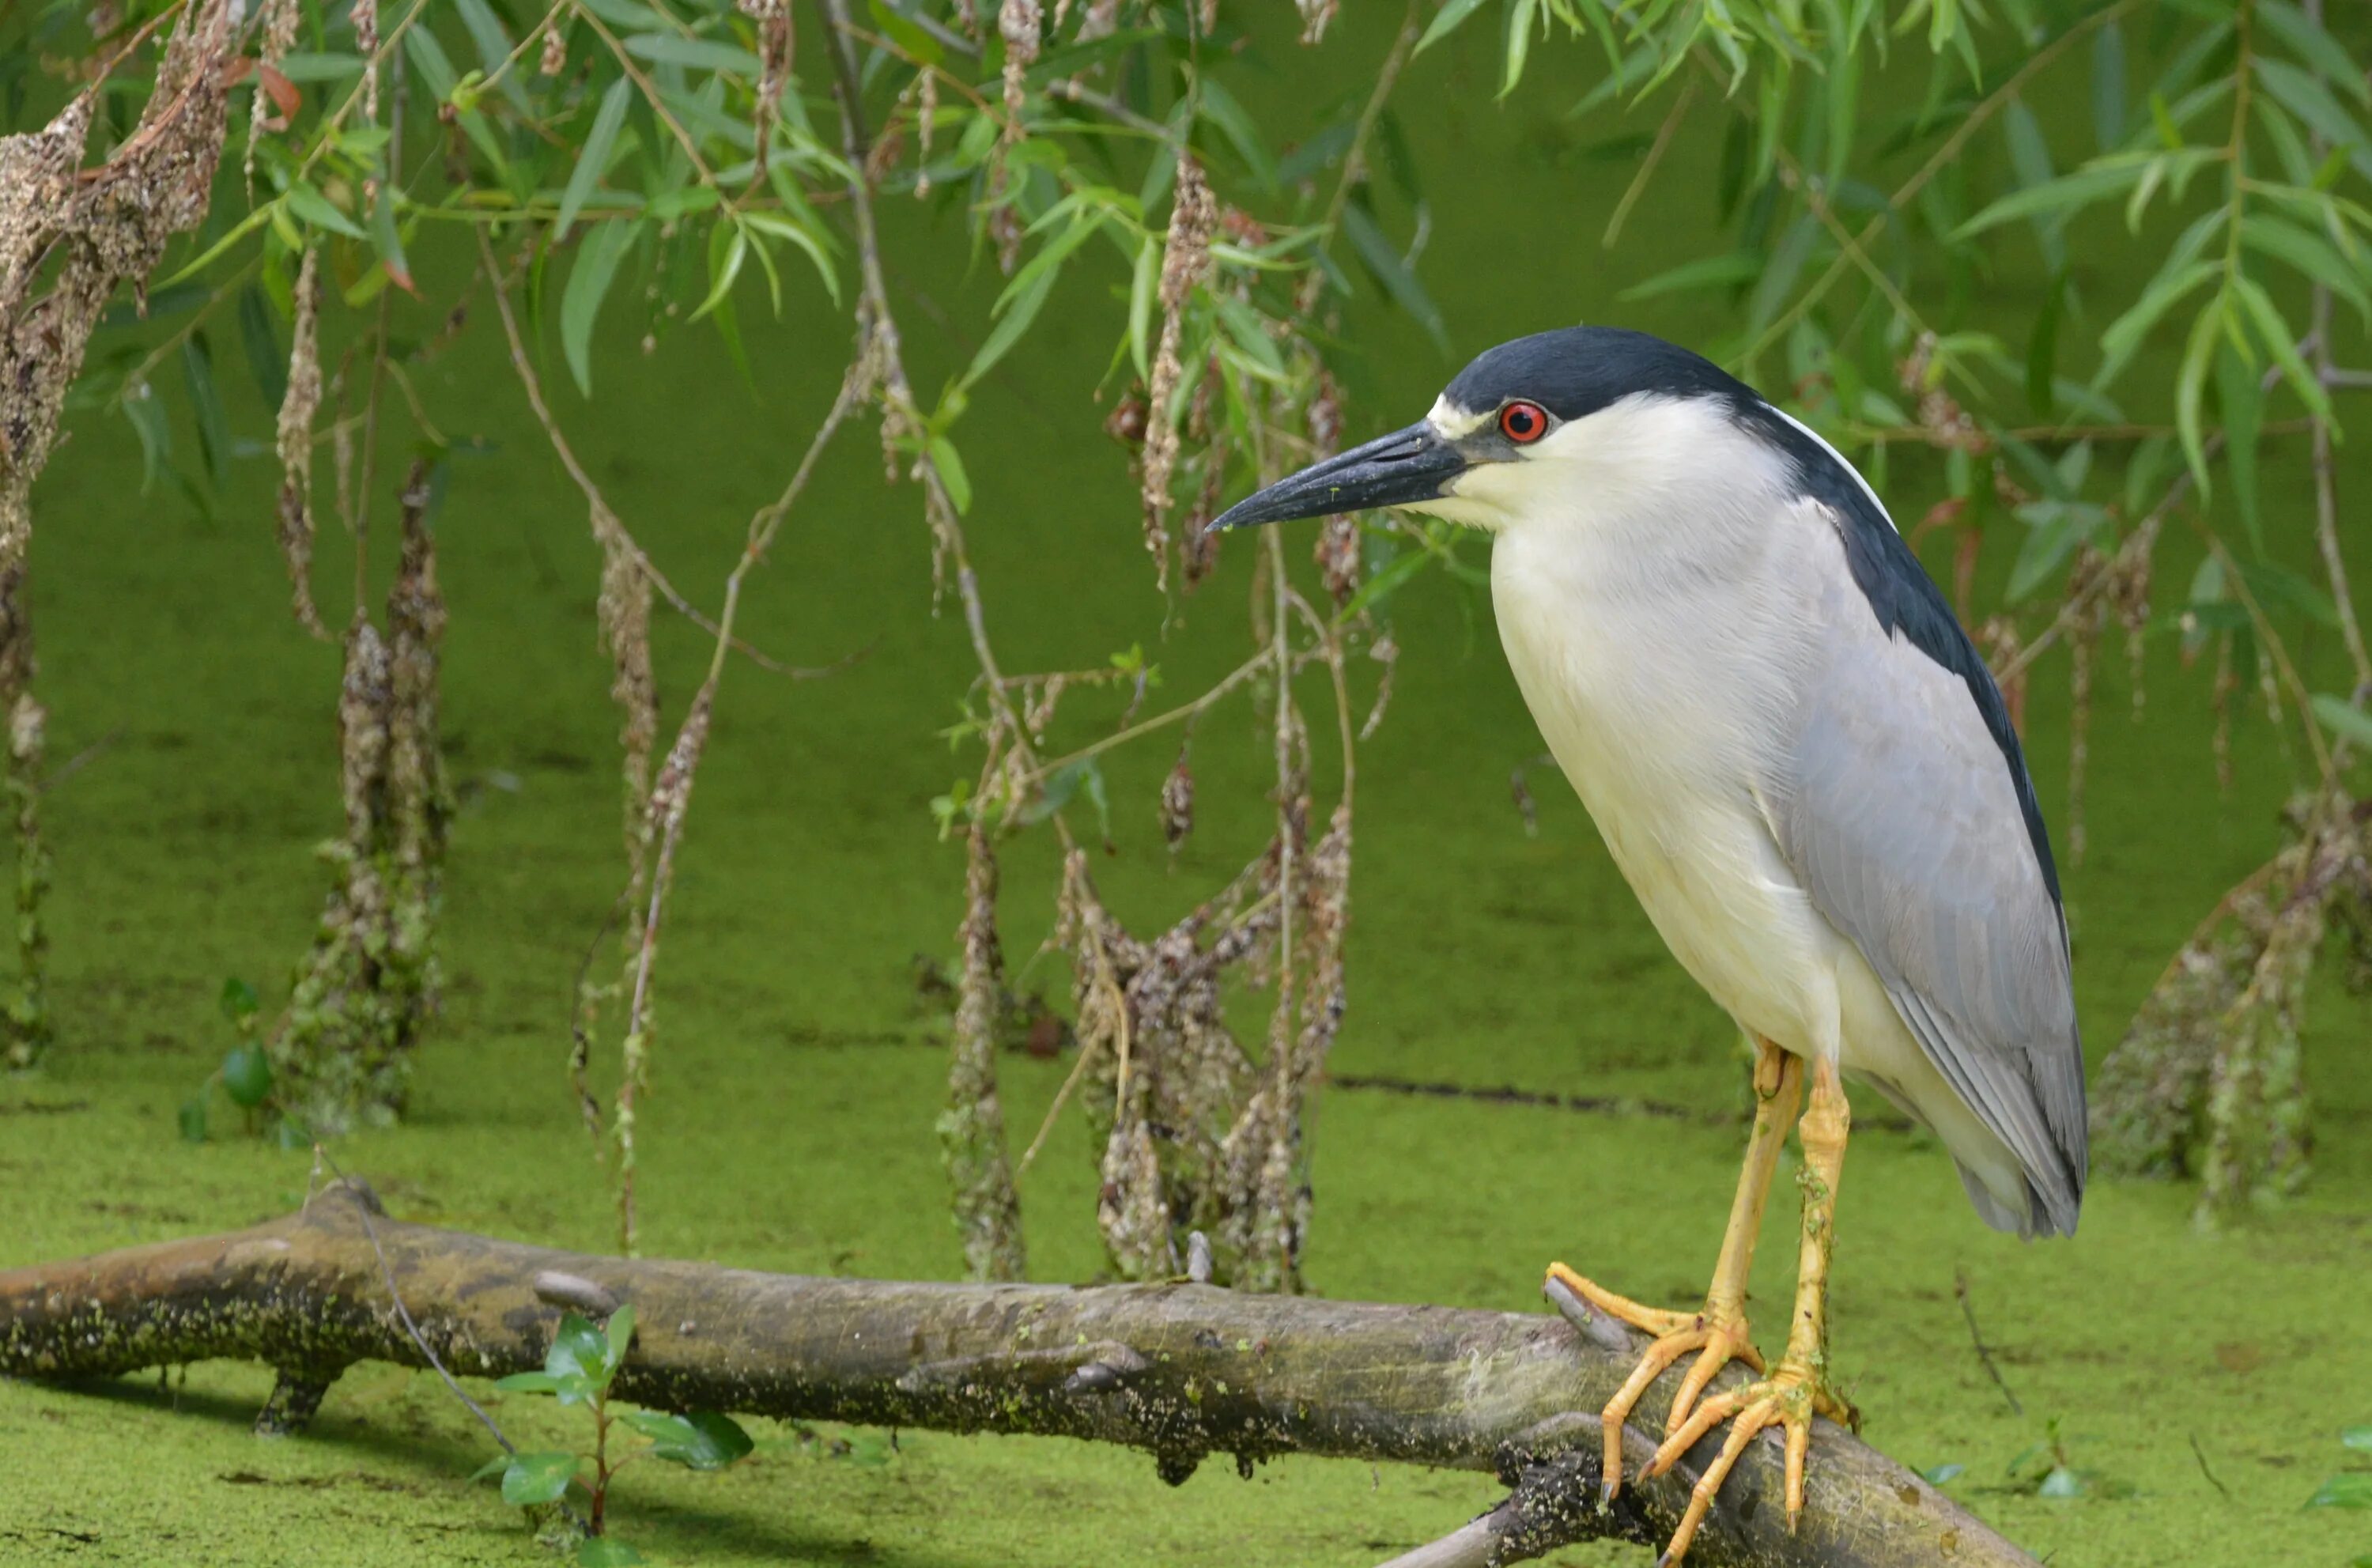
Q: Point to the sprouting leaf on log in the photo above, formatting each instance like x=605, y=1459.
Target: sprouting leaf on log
x=531, y=1481
x=701, y=1440
x=2352, y=1489
x=617, y=1337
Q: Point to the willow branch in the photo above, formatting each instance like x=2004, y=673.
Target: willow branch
x=531, y=383
x=1942, y=158
x=2080, y=602
x=881, y=324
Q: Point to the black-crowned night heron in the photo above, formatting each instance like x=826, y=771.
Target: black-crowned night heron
x=1805, y=772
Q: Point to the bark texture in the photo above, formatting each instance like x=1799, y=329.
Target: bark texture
x=1179, y=1370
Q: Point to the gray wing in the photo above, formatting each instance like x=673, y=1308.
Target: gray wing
x=1907, y=813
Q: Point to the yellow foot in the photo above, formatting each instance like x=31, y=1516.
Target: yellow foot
x=1789, y=1398
x=1718, y=1335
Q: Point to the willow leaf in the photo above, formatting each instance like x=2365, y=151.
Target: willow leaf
x=1445, y=21
x=2198, y=356
x=2309, y=253
x=2311, y=42
x=2126, y=334
x=697, y=54
x=2281, y=341
x=1394, y=273
x=594, y=161
x=2109, y=86
x=1018, y=315
x=2242, y=399
x=2305, y=96
x=2066, y=193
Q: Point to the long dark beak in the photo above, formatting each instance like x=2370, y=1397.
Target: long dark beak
x=1407, y=466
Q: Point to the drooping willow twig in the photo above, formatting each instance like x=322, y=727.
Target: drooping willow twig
x=972, y=1130
x=670, y=798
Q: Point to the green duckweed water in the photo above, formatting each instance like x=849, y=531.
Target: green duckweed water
x=2205, y=1379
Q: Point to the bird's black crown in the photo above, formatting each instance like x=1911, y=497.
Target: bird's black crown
x=1572, y=372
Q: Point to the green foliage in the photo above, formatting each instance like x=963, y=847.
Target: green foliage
x=659, y=159
x=583, y=1360
x=245, y=1075
x=2348, y=1489
x=2045, y=1469
x=581, y=1364
x=652, y=168
x=702, y=1440
x=531, y=1481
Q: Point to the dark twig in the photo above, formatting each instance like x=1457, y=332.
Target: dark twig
x=81, y=759
x=366, y=1207
x=1977, y=1338
x=2201, y=1455
x=532, y=385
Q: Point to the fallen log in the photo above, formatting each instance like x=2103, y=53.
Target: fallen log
x=1179, y=1370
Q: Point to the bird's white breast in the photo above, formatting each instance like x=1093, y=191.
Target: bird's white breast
x=1653, y=618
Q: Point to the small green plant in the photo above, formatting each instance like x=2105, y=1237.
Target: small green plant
x=2046, y=1469
x=246, y=1072
x=2349, y=1489
x=577, y=1370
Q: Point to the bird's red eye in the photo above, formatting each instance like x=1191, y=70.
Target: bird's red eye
x=1523, y=423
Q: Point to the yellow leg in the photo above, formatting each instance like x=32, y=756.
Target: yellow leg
x=1718, y=1333
x=1798, y=1390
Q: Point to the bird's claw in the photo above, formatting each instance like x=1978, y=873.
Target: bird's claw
x=1717, y=1335
x=1788, y=1398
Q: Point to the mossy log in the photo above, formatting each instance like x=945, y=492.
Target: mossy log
x=1179, y=1370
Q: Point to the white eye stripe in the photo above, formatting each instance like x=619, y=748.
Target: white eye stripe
x=1454, y=423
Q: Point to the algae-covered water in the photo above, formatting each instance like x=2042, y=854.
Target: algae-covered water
x=2203, y=1381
